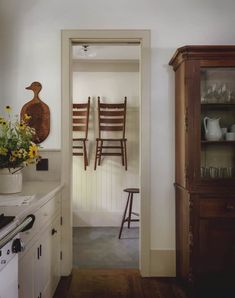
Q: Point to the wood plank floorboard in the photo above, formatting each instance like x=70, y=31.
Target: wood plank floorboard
x=116, y=283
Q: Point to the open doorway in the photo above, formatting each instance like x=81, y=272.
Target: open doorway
x=109, y=71
x=117, y=36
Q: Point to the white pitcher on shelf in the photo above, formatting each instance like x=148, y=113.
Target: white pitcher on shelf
x=212, y=128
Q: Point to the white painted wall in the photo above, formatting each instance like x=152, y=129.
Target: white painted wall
x=98, y=197
x=54, y=167
x=30, y=50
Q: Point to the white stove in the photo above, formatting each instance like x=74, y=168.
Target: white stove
x=8, y=261
x=10, y=245
x=8, y=271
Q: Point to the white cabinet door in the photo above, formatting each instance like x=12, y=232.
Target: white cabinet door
x=44, y=264
x=28, y=282
x=50, y=259
x=56, y=249
x=34, y=268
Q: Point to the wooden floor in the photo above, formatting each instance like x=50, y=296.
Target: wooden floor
x=116, y=283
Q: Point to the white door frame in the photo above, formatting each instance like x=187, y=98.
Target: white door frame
x=114, y=36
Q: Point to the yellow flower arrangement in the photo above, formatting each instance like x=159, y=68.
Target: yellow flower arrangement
x=16, y=146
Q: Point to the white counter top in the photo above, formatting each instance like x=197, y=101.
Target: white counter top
x=42, y=192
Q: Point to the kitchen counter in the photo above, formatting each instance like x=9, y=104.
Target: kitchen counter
x=42, y=192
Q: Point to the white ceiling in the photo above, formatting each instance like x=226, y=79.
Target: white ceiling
x=107, y=52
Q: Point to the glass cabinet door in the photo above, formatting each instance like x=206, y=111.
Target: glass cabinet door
x=217, y=122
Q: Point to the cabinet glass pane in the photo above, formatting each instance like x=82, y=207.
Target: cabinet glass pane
x=217, y=123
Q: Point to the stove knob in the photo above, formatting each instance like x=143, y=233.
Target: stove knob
x=17, y=245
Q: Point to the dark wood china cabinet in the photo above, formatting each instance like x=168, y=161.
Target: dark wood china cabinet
x=205, y=163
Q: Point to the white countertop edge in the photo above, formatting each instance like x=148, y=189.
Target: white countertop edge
x=21, y=212
x=38, y=202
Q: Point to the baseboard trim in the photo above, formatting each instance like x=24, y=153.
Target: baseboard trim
x=162, y=263
x=99, y=219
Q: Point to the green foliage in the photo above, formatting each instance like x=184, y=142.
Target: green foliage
x=16, y=146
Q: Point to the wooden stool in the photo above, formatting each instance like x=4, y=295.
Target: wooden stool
x=129, y=202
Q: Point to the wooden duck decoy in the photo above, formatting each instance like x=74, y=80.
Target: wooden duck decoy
x=39, y=113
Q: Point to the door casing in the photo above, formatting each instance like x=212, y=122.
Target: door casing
x=105, y=36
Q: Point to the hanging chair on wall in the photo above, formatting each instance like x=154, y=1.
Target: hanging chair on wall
x=111, y=121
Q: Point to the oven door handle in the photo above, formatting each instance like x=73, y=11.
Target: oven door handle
x=25, y=225
x=30, y=224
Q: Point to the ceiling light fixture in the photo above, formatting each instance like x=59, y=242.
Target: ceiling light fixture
x=86, y=51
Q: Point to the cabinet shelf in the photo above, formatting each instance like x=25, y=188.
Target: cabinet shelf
x=218, y=179
x=217, y=106
x=218, y=142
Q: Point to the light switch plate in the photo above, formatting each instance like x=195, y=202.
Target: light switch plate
x=42, y=165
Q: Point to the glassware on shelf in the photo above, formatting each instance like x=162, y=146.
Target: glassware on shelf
x=232, y=128
x=224, y=131
x=217, y=93
x=217, y=172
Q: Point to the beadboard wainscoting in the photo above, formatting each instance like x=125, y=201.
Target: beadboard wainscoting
x=98, y=197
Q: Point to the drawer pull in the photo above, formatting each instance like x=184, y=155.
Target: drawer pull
x=229, y=208
x=53, y=231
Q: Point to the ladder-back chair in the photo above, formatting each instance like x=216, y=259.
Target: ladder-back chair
x=80, y=124
x=111, y=120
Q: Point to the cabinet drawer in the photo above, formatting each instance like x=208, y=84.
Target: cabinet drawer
x=210, y=207
x=48, y=211
x=43, y=216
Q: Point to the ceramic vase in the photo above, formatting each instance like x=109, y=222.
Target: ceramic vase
x=10, y=182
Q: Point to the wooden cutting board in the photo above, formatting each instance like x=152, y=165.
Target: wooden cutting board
x=39, y=112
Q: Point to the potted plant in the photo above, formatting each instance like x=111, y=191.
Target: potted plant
x=16, y=150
